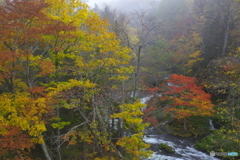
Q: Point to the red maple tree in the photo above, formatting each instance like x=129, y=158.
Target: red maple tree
x=185, y=98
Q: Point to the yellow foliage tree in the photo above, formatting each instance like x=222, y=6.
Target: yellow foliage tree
x=57, y=55
x=133, y=143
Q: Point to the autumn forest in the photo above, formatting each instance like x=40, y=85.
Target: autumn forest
x=71, y=77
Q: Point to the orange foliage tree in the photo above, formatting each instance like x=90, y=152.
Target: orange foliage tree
x=24, y=61
x=49, y=48
x=57, y=55
x=14, y=144
x=185, y=98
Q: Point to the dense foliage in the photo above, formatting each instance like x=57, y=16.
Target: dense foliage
x=70, y=77
x=62, y=74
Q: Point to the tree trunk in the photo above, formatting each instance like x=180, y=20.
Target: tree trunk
x=84, y=144
x=101, y=123
x=184, y=124
x=103, y=126
x=226, y=32
x=58, y=138
x=45, y=150
x=136, y=74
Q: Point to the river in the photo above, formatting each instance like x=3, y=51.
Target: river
x=183, y=147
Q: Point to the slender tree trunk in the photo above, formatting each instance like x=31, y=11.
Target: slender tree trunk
x=84, y=130
x=120, y=121
x=184, y=124
x=59, y=139
x=226, y=32
x=136, y=74
x=84, y=144
x=120, y=127
x=45, y=150
x=103, y=126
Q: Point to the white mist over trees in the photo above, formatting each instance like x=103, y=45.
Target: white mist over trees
x=124, y=5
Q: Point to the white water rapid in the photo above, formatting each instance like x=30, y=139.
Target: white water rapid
x=184, y=150
x=211, y=125
x=183, y=147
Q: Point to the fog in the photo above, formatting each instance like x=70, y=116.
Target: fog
x=124, y=5
x=100, y=3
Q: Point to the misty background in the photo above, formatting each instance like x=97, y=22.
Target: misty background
x=123, y=5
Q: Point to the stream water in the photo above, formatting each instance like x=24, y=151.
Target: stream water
x=183, y=147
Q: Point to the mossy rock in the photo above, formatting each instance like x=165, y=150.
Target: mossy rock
x=166, y=147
